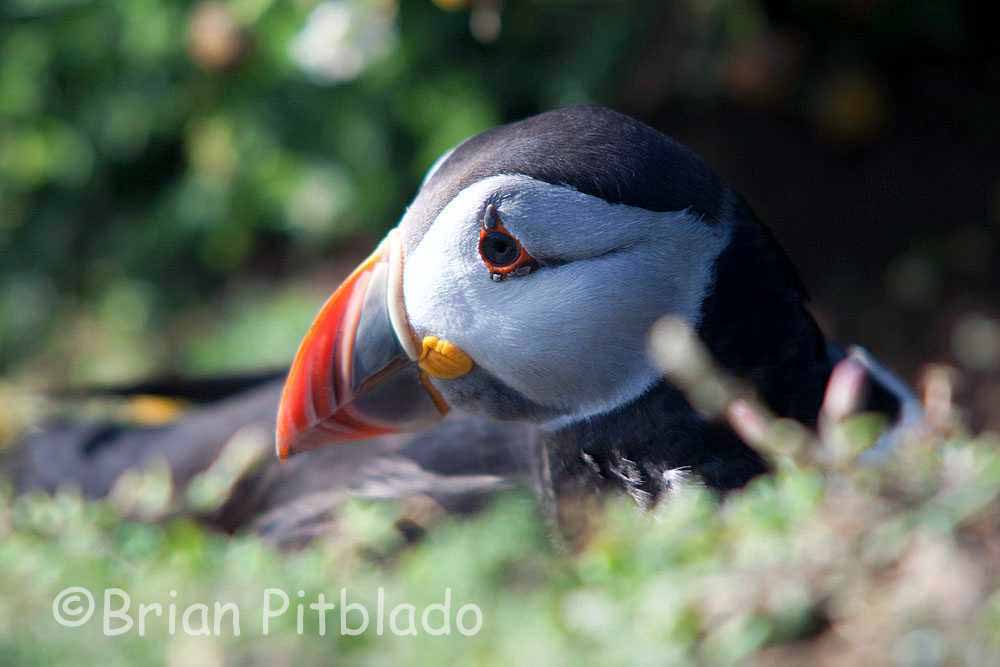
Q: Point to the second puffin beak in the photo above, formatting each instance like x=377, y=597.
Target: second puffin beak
x=356, y=374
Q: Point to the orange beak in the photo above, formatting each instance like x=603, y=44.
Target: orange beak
x=355, y=375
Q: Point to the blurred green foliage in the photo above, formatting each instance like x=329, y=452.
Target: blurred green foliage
x=844, y=565
x=161, y=158
x=150, y=150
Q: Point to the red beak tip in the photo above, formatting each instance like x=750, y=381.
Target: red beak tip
x=287, y=437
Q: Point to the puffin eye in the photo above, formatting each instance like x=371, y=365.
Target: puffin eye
x=499, y=249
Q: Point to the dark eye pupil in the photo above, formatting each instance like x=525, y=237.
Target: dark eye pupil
x=499, y=249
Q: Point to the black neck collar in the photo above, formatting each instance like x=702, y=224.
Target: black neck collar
x=643, y=447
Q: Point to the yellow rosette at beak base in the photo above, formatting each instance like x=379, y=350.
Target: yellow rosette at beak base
x=443, y=360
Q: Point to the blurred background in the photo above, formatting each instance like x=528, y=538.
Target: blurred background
x=182, y=183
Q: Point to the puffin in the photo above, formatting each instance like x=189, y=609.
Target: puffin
x=521, y=284
x=515, y=296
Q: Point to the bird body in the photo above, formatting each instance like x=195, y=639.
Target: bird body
x=544, y=251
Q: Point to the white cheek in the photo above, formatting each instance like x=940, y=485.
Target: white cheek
x=574, y=337
x=437, y=280
x=447, y=288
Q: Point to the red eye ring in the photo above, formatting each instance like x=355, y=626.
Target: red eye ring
x=503, y=261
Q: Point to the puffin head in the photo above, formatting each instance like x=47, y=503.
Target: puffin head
x=521, y=283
